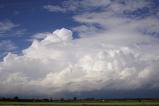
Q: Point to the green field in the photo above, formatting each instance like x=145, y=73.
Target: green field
x=80, y=104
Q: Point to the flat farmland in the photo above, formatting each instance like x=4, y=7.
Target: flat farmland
x=152, y=103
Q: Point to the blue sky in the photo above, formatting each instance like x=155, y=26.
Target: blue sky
x=78, y=47
x=30, y=18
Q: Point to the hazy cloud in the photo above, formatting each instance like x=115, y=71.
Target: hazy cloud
x=76, y=5
x=7, y=45
x=53, y=8
x=6, y=26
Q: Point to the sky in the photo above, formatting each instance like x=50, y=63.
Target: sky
x=82, y=48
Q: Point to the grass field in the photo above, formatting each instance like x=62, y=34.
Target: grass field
x=80, y=104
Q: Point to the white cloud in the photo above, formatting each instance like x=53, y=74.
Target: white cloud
x=86, y=64
x=119, y=7
x=112, y=53
x=114, y=18
x=84, y=30
x=40, y=36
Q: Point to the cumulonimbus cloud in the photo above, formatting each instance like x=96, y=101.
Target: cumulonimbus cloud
x=113, y=52
x=59, y=63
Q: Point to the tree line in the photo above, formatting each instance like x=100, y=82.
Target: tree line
x=74, y=99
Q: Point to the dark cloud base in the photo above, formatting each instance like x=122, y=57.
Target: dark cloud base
x=97, y=94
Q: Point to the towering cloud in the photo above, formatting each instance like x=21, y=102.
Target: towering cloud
x=117, y=50
x=59, y=64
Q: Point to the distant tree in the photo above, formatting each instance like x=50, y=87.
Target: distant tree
x=139, y=100
x=16, y=98
x=45, y=100
x=3, y=98
x=74, y=98
x=51, y=99
x=62, y=99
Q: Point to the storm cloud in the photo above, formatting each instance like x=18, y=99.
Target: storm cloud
x=114, y=52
